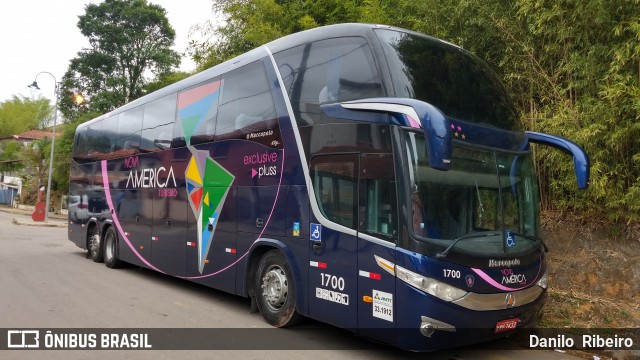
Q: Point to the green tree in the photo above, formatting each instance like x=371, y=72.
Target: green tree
x=164, y=80
x=251, y=23
x=21, y=114
x=572, y=68
x=36, y=161
x=10, y=150
x=127, y=39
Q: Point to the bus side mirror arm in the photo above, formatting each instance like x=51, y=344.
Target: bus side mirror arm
x=580, y=158
x=407, y=112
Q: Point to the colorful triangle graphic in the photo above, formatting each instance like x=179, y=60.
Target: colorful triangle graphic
x=193, y=173
x=189, y=125
x=196, y=197
x=202, y=158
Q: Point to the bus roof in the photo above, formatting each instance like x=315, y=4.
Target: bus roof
x=286, y=42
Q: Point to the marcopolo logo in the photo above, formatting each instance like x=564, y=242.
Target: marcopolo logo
x=259, y=134
x=504, y=263
x=262, y=164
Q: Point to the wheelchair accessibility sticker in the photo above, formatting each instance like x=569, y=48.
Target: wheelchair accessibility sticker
x=511, y=240
x=316, y=232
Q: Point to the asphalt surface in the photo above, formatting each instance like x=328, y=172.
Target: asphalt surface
x=47, y=282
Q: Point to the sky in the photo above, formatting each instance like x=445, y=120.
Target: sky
x=42, y=35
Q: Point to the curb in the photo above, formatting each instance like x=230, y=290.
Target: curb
x=15, y=211
x=37, y=224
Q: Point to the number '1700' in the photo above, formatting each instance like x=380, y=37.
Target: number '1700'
x=333, y=281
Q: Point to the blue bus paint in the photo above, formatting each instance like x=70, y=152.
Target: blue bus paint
x=389, y=211
x=580, y=159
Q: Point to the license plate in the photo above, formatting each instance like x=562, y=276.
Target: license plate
x=506, y=325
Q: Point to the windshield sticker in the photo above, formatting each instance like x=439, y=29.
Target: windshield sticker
x=383, y=305
x=510, y=239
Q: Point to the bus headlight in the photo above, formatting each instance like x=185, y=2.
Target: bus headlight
x=431, y=286
x=543, y=280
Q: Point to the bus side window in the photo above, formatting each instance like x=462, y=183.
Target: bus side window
x=110, y=135
x=157, y=126
x=80, y=147
x=197, y=109
x=338, y=69
x=129, y=129
x=95, y=142
x=246, y=104
x=335, y=184
x=378, y=209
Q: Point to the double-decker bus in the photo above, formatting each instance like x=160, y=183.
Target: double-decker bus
x=366, y=176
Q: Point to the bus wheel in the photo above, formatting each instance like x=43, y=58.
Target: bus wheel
x=110, y=244
x=95, y=246
x=275, y=291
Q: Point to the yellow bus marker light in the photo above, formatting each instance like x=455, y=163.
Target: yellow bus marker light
x=367, y=299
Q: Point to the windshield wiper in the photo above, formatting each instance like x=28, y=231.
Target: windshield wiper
x=533, y=238
x=443, y=254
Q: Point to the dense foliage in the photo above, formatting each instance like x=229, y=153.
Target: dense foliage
x=572, y=68
x=127, y=38
x=21, y=114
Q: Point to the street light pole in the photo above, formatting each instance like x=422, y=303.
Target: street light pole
x=53, y=137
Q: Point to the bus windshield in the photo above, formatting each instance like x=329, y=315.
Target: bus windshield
x=447, y=77
x=487, y=200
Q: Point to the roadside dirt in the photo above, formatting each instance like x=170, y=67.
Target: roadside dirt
x=594, y=275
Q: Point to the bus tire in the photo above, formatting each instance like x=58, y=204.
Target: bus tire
x=110, y=249
x=275, y=291
x=96, y=250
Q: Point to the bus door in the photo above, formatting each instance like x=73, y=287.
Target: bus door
x=377, y=234
x=333, y=272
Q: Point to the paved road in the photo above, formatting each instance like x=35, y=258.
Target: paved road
x=46, y=282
